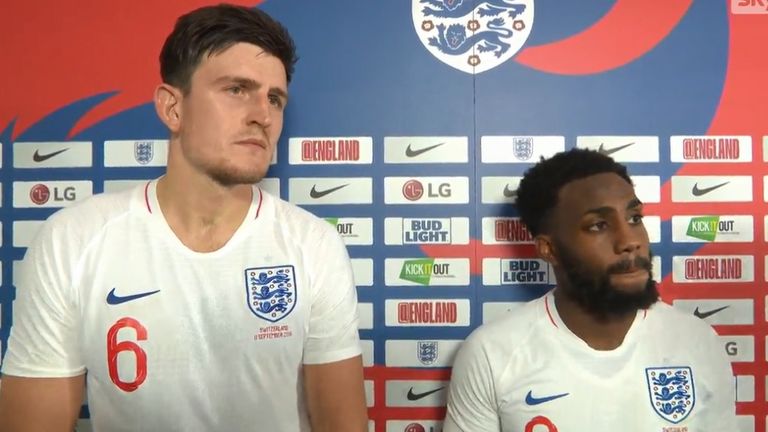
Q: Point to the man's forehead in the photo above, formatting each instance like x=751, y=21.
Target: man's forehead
x=244, y=60
x=599, y=190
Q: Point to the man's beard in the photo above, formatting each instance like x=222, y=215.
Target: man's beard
x=228, y=176
x=594, y=292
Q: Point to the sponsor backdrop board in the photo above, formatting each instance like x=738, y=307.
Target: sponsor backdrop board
x=410, y=125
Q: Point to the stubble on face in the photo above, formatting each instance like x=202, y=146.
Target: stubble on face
x=593, y=291
x=233, y=126
x=228, y=176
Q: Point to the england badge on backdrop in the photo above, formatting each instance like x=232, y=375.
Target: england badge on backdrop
x=672, y=392
x=427, y=352
x=473, y=35
x=143, y=151
x=522, y=147
x=271, y=291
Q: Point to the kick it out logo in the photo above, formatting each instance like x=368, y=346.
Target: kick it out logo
x=707, y=228
x=420, y=271
x=473, y=35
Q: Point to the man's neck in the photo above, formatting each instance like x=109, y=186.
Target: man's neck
x=202, y=213
x=600, y=333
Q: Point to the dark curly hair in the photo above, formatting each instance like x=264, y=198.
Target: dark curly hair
x=210, y=30
x=538, y=190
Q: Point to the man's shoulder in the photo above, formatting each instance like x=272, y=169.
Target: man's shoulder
x=91, y=214
x=513, y=330
x=673, y=321
x=101, y=205
x=296, y=220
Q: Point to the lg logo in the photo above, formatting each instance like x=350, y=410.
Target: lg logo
x=413, y=190
x=41, y=194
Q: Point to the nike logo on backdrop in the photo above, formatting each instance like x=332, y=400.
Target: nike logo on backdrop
x=413, y=153
x=510, y=193
x=530, y=400
x=416, y=396
x=703, y=315
x=115, y=299
x=699, y=192
x=610, y=151
x=37, y=157
x=314, y=193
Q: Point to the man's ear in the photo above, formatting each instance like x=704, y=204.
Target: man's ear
x=168, y=106
x=546, y=249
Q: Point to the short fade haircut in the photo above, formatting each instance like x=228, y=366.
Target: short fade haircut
x=211, y=30
x=541, y=184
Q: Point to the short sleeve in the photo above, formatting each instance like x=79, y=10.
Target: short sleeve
x=44, y=339
x=333, y=323
x=472, y=404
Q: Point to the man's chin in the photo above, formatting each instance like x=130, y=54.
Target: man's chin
x=635, y=296
x=235, y=178
x=620, y=299
x=630, y=283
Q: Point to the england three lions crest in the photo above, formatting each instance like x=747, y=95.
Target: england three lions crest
x=427, y=352
x=143, y=151
x=522, y=148
x=672, y=392
x=473, y=35
x=271, y=291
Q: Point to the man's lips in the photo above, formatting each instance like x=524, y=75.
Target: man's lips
x=631, y=272
x=254, y=142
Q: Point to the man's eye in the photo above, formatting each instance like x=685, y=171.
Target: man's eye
x=598, y=226
x=276, y=101
x=236, y=90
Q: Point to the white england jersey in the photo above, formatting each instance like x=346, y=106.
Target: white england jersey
x=176, y=340
x=528, y=373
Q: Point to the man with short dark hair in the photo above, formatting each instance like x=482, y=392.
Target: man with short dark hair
x=196, y=302
x=598, y=352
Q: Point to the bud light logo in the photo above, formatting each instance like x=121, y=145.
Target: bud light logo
x=525, y=271
x=427, y=231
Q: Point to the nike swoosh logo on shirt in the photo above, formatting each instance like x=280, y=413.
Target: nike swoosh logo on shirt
x=115, y=299
x=703, y=315
x=413, y=153
x=699, y=192
x=610, y=151
x=37, y=157
x=416, y=396
x=530, y=400
x=314, y=193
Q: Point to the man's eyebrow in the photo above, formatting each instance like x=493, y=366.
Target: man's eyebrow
x=633, y=203
x=280, y=92
x=599, y=210
x=236, y=79
x=249, y=83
